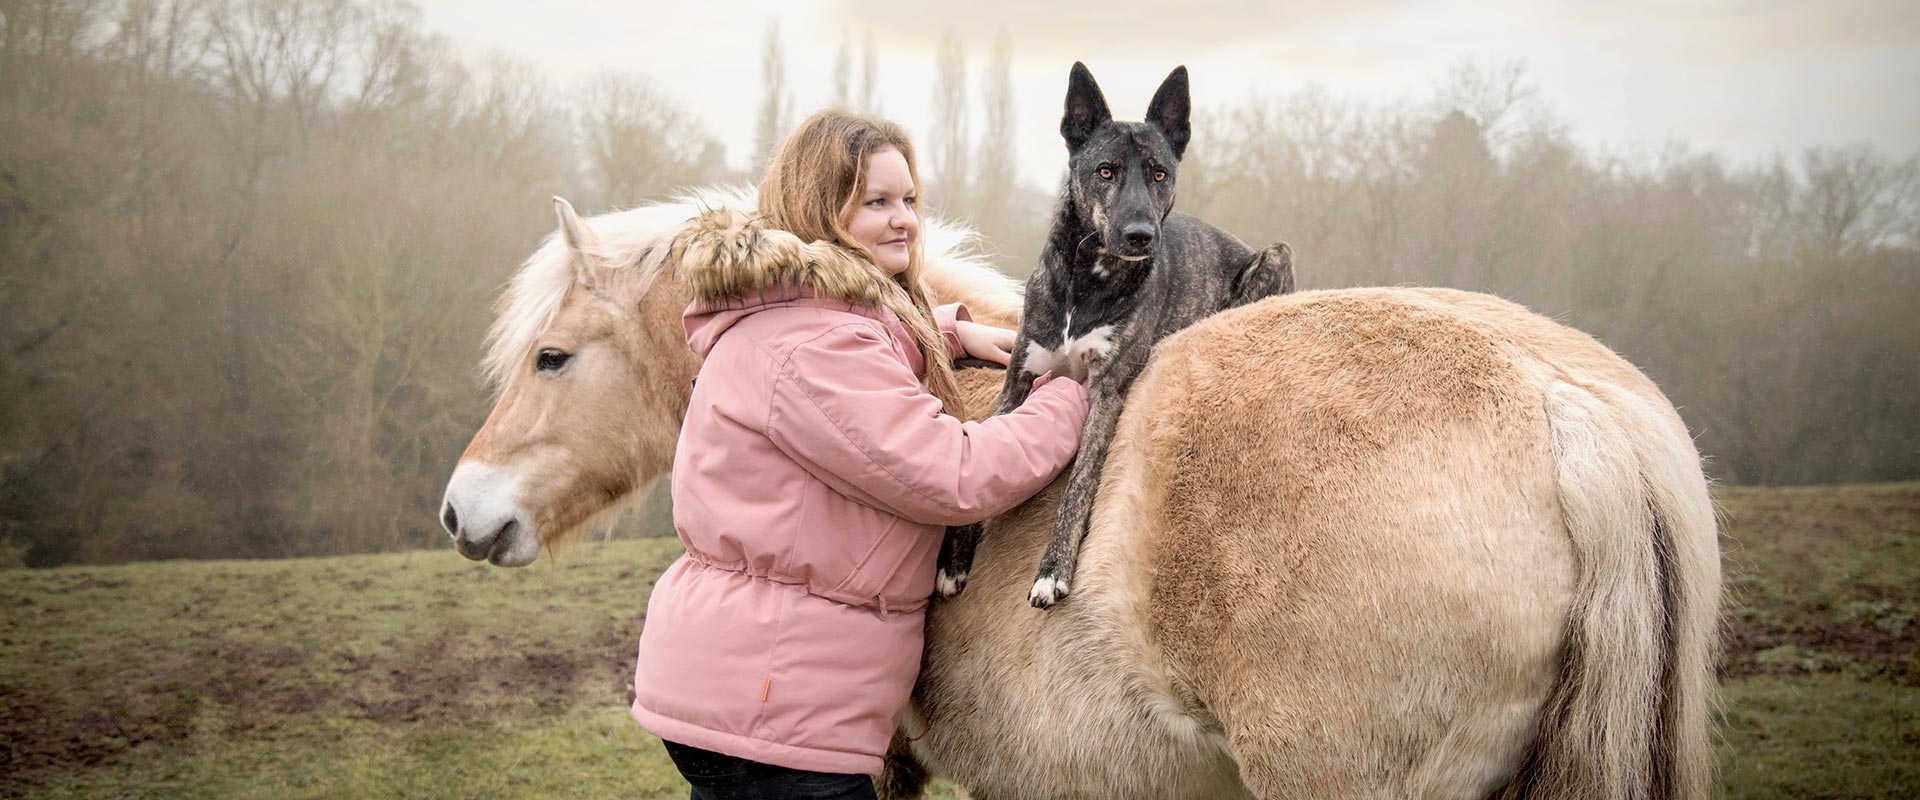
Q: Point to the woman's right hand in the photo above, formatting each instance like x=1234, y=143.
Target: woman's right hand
x=1047, y=376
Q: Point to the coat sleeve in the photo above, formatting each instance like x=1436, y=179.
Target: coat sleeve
x=847, y=409
x=949, y=317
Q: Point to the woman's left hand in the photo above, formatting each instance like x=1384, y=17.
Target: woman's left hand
x=985, y=342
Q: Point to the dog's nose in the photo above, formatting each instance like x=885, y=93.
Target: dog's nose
x=1139, y=236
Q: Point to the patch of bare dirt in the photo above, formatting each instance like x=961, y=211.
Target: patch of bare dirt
x=1862, y=644
x=56, y=729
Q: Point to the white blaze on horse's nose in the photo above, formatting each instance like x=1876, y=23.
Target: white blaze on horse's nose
x=482, y=512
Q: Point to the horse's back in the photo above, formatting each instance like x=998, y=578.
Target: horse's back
x=1355, y=539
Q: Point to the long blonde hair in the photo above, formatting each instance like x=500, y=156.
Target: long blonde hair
x=817, y=170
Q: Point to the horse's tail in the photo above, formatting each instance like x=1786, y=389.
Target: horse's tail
x=1629, y=715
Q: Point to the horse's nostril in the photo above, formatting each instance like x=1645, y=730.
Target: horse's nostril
x=450, y=520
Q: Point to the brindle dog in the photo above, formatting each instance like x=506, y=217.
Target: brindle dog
x=1121, y=271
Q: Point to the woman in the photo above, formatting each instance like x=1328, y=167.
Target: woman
x=816, y=471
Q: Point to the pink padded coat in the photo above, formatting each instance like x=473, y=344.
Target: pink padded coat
x=811, y=484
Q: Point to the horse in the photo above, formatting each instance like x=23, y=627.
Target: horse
x=1378, y=542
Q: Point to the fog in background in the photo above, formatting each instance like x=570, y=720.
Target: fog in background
x=249, y=250
x=1747, y=80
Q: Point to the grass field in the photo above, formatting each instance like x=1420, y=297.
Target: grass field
x=423, y=675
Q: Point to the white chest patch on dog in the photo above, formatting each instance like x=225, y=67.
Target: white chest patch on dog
x=1075, y=359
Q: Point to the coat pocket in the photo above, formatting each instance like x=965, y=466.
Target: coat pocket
x=889, y=571
x=835, y=539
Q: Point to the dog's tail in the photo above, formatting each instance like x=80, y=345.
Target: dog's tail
x=1629, y=717
x=1269, y=273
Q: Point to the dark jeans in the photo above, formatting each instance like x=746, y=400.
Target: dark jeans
x=722, y=777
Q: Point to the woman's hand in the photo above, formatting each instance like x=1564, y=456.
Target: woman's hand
x=985, y=342
x=1049, y=377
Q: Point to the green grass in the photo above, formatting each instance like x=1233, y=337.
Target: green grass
x=1819, y=736
x=420, y=673
x=578, y=753
x=424, y=675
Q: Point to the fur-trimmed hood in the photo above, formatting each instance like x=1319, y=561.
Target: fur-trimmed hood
x=727, y=255
x=735, y=266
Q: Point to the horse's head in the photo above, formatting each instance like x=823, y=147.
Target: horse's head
x=594, y=374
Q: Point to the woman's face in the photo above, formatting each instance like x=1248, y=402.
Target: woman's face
x=885, y=217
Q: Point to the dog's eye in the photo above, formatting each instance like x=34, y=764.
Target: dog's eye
x=1159, y=175
x=551, y=360
x=1106, y=173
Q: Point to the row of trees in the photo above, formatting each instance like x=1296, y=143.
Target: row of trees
x=248, y=251
x=1772, y=303
x=249, y=248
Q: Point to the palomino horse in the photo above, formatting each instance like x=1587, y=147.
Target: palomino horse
x=1357, y=543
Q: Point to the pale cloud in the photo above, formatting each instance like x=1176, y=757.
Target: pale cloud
x=1082, y=29
x=1748, y=31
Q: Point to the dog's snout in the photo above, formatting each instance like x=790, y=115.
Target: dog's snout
x=1139, y=236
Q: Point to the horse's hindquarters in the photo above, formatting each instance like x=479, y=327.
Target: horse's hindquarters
x=1359, y=564
x=1329, y=559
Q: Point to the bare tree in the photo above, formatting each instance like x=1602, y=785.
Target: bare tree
x=950, y=141
x=1499, y=98
x=639, y=146
x=842, y=71
x=1856, y=198
x=774, y=108
x=994, y=174
x=282, y=54
x=869, y=73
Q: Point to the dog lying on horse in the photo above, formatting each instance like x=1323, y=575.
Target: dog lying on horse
x=1121, y=270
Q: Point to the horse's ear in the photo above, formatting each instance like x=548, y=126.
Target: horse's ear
x=580, y=239
x=1171, y=108
x=1086, y=108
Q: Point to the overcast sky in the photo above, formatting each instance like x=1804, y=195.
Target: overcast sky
x=1746, y=79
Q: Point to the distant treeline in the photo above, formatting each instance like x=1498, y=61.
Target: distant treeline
x=248, y=253
x=1776, y=305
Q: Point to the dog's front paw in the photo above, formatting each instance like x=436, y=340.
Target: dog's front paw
x=1047, y=590
x=950, y=582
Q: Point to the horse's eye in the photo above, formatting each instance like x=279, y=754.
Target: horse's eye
x=551, y=360
x=1159, y=175
x=1106, y=173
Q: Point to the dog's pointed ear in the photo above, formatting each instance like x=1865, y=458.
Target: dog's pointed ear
x=1171, y=109
x=1086, y=108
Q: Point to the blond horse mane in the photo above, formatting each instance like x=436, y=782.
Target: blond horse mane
x=633, y=243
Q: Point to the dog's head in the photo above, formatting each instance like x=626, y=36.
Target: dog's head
x=1120, y=174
